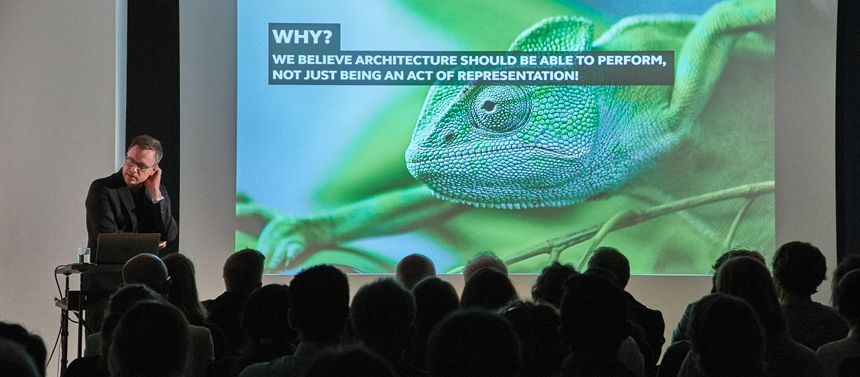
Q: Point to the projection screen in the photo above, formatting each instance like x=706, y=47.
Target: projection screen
x=532, y=130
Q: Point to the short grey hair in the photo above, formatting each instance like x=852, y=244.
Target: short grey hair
x=148, y=143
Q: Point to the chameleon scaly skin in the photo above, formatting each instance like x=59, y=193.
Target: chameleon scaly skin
x=507, y=146
x=511, y=146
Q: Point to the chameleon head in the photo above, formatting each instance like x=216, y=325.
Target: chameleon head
x=505, y=145
x=512, y=146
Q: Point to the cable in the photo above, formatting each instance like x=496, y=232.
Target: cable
x=60, y=331
x=87, y=329
x=58, y=281
x=54, y=349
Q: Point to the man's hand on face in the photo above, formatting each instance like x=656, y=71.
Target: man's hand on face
x=153, y=183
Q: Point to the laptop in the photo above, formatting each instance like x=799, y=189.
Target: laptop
x=118, y=248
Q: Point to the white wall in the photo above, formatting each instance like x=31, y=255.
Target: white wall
x=57, y=76
x=57, y=117
x=208, y=137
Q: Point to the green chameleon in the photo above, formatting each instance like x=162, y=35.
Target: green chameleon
x=513, y=147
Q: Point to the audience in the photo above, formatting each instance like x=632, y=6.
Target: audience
x=798, y=270
x=630, y=352
x=183, y=288
x=483, y=260
x=183, y=295
x=32, y=344
x=847, y=298
x=649, y=320
x=680, y=346
x=536, y=326
x=151, y=340
x=488, y=289
x=680, y=332
x=243, y=274
x=750, y=280
x=435, y=299
x=319, y=309
x=266, y=326
x=383, y=318
x=355, y=361
x=549, y=286
x=727, y=339
x=674, y=356
x=474, y=343
x=578, y=325
x=593, y=326
x=412, y=269
x=149, y=270
x=15, y=361
x=98, y=345
x=849, y=263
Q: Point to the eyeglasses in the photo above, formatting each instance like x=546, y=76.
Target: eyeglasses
x=134, y=165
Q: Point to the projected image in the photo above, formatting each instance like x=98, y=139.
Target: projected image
x=364, y=135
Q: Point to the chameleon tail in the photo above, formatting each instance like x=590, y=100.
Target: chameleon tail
x=707, y=48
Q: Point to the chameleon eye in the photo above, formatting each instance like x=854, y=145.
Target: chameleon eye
x=499, y=108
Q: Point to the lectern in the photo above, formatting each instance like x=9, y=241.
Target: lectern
x=77, y=301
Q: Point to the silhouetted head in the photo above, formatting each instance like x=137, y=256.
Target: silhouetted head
x=483, y=260
x=183, y=288
x=264, y=318
x=726, y=337
x=120, y=302
x=849, y=263
x=15, y=361
x=29, y=342
x=149, y=270
x=536, y=325
x=593, y=315
x=353, y=361
x=549, y=286
x=434, y=300
x=606, y=274
x=414, y=268
x=847, y=297
x=151, y=340
x=319, y=303
x=748, y=279
x=129, y=295
x=474, y=343
x=611, y=259
x=799, y=268
x=243, y=271
x=489, y=289
x=383, y=315
x=734, y=253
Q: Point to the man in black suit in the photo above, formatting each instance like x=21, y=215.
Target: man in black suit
x=132, y=200
x=649, y=320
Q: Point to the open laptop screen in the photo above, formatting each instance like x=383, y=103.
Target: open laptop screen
x=117, y=248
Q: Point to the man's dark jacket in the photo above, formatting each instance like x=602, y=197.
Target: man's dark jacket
x=112, y=208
